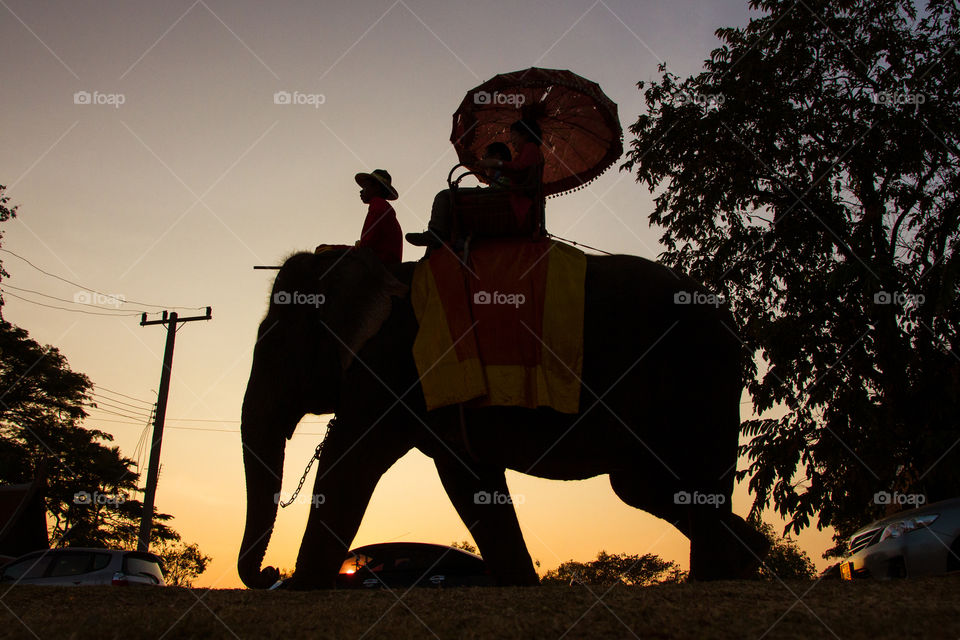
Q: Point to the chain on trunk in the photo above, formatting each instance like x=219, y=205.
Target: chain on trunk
x=316, y=456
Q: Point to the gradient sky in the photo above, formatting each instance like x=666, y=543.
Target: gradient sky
x=172, y=196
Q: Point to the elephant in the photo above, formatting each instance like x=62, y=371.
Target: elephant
x=658, y=413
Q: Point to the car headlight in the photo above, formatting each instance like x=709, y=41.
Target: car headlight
x=897, y=529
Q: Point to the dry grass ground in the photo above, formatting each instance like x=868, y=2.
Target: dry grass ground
x=928, y=608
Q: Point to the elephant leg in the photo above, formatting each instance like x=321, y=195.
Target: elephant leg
x=480, y=499
x=722, y=545
x=347, y=474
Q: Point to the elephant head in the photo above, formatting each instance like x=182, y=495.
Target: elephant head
x=323, y=308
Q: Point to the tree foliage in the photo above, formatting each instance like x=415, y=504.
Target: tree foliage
x=182, y=563
x=89, y=484
x=810, y=174
x=785, y=560
x=609, y=569
x=466, y=545
x=6, y=212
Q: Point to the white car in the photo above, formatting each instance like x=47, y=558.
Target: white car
x=74, y=566
x=917, y=542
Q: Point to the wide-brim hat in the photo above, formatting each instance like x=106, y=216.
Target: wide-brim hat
x=378, y=177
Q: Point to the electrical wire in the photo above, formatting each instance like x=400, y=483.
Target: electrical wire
x=236, y=421
x=122, y=415
x=89, y=313
x=109, y=399
x=108, y=295
x=108, y=402
x=122, y=395
x=180, y=428
x=101, y=404
x=141, y=450
x=85, y=304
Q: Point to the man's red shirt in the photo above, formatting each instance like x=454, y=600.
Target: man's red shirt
x=381, y=232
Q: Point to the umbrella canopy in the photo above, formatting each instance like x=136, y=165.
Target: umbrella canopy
x=582, y=136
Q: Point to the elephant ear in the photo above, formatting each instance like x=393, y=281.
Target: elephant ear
x=359, y=301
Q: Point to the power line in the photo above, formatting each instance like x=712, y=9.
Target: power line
x=98, y=419
x=99, y=404
x=144, y=407
x=50, y=306
x=122, y=395
x=237, y=431
x=141, y=448
x=108, y=295
x=109, y=399
x=122, y=415
x=85, y=304
x=139, y=419
x=108, y=402
x=234, y=421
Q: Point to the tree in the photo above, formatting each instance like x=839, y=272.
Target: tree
x=809, y=174
x=6, y=212
x=182, y=563
x=466, y=546
x=785, y=560
x=89, y=485
x=609, y=569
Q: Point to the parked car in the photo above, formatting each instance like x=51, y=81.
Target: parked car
x=407, y=564
x=918, y=542
x=81, y=566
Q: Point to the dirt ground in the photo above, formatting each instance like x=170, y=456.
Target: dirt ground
x=928, y=608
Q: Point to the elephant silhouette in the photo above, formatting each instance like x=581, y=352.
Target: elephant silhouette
x=659, y=413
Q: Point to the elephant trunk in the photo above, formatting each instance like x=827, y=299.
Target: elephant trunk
x=263, y=452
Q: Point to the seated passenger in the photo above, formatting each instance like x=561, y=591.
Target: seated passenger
x=381, y=231
x=525, y=137
x=497, y=151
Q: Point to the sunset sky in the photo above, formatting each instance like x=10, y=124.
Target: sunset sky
x=182, y=173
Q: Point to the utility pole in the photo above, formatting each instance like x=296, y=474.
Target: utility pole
x=153, y=471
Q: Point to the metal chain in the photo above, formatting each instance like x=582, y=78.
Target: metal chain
x=316, y=456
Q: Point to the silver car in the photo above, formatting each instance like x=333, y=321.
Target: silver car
x=80, y=566
x=918, y=542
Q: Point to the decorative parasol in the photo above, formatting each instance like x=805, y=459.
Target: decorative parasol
x=582, y=136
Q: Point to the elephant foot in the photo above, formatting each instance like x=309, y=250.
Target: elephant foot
x=726, y=548
x=299, y=582
x=519, y=580
x=752, y=547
